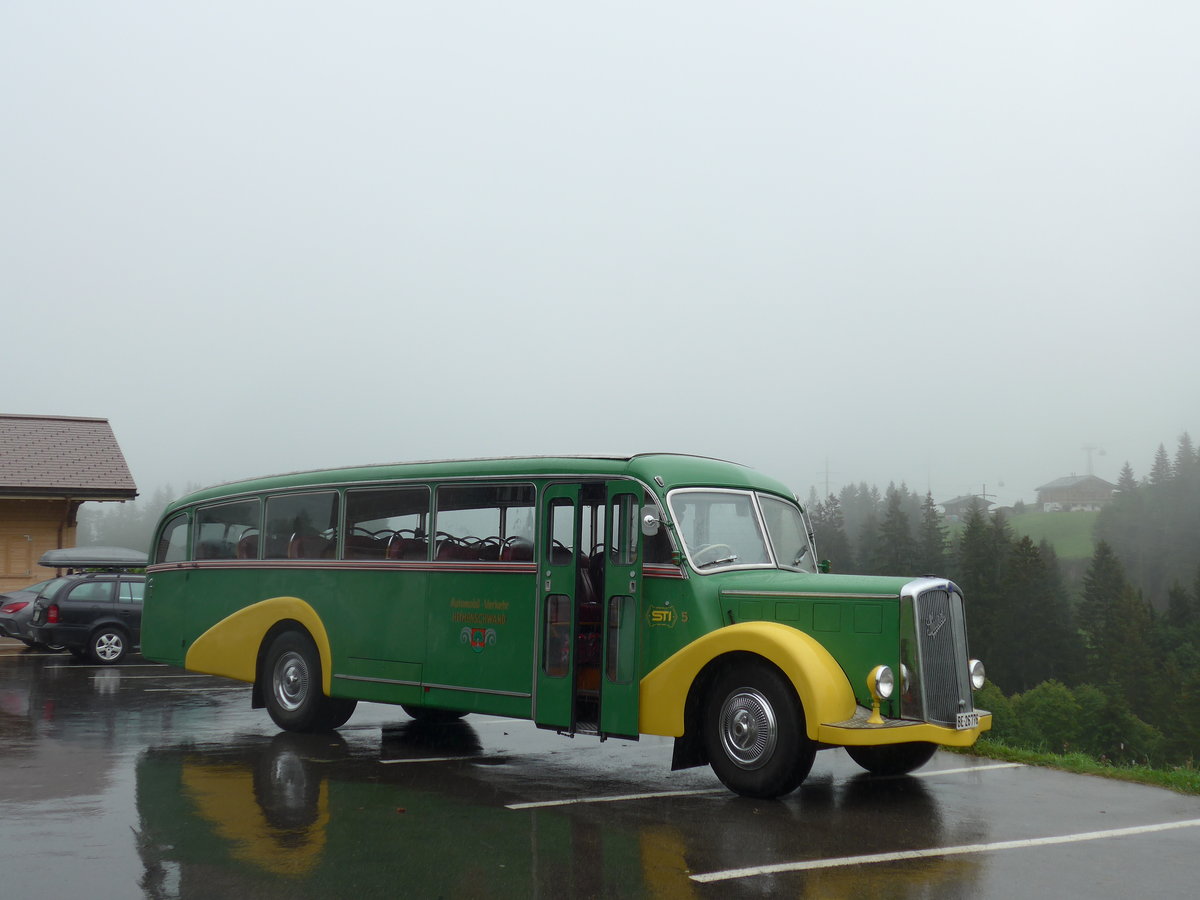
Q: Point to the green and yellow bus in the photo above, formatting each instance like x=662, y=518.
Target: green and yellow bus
x=655, y=594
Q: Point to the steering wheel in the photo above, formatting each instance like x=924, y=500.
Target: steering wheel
x=712, y=549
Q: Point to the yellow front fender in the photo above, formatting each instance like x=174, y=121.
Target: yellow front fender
x=819, y=681
x=230, y=647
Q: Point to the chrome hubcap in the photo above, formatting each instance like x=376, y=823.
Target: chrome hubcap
x=290, y=681
x=748, y=728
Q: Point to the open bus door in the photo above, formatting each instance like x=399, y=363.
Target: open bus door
x=558, y=555
x=621, y=617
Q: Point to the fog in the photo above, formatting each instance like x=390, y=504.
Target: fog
x=937, y=243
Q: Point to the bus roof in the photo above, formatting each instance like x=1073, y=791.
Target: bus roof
x=674, y=470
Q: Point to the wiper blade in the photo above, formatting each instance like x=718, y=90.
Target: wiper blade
x=717, y=562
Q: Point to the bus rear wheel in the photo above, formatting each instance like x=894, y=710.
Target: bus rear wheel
x=893, y=759
x=754, y=732
x=291, y=680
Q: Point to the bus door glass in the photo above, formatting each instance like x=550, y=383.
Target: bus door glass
x=558, y=561
x=621, y=611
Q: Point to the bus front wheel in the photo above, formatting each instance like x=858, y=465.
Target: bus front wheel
x=754, y=732
x=291, y=680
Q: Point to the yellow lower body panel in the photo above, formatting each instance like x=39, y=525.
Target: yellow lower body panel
x=230, y=647
x=819, y=681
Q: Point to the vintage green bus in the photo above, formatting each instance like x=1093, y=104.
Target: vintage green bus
x=615, y=596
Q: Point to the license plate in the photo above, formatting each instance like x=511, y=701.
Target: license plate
x=964, y=721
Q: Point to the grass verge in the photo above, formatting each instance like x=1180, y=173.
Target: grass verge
x=1183, y=779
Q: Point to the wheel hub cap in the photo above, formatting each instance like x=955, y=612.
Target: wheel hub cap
x=749, y=731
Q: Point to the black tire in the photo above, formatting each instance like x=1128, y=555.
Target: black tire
x=754, y=732
x=291, y=687
x=108, y=645
x=432, y=715
x=893, y=759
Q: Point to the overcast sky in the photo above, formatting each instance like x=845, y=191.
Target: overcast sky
x=948, y=244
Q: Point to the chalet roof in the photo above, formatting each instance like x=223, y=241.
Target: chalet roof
x=1071, y=481
x=62, y=456
x=967, y=500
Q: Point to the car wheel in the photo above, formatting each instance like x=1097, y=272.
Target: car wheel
x=893, y=759
x=108, y=646
x=291, y=685
x=754, y=731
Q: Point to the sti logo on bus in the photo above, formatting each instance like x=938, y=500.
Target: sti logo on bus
x=661, y=615
x=478, y=638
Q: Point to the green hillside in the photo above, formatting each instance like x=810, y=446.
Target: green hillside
x=1069, y=533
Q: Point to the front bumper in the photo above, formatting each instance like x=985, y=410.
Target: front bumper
x=858, y=732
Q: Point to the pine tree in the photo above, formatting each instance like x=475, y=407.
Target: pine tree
x=982, y=558
x=832, y=543
x=1160, y=472
x=1126, y=483
x=1103, y=585
x=1180, y=608
x=931, y=539
x=1185, y=458
x=897, y=549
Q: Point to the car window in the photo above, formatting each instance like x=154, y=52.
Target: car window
x=91, y=591
x=131, y=591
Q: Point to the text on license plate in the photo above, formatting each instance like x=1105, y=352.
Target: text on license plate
x=963, y=721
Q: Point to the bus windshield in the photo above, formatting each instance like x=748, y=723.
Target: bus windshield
x=723, y=529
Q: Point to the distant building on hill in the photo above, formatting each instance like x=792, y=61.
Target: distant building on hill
x=960, y=507
x=1075, y=493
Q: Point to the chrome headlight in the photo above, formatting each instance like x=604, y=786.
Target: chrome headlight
x=881, y=682
x=978, y=675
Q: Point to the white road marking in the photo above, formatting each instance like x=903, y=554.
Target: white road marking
x=934, y=852
x=426, y=759
x=615, y=798
x=959, y=771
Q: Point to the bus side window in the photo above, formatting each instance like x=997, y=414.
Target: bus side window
x=220, y=528
x=302, y=526
x=172, y=544
x=387, y=523
x=480, y=522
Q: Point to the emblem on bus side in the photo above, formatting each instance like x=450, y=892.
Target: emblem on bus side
x=660, y=615
x=478, y=638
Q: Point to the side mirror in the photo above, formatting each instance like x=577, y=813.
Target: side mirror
x=651, y=521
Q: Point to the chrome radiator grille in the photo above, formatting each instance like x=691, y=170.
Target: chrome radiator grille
x=934, y=650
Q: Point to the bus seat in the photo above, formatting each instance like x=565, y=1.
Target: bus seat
x=517, y=549
x=309, y=546
x=247, y=547
x=406, y=548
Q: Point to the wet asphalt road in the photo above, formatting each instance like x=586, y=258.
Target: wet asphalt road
x=145, y=781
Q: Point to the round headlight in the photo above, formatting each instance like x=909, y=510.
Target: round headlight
x=881, y=681
x=978, y=675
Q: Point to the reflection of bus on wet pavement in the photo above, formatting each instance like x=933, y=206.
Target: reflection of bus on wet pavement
x=301, y=808
x=615, y=596
x=312, y=815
